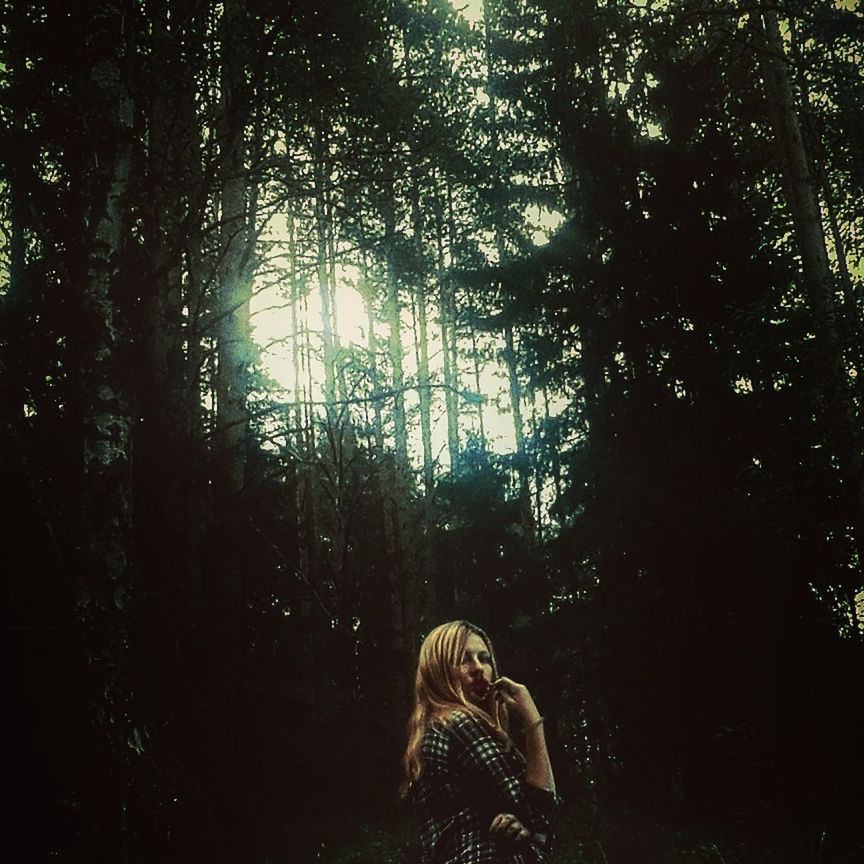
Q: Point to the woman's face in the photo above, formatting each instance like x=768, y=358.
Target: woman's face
x=475, y=670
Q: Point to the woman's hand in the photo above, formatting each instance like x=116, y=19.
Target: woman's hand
x=517, y=697
x=538, y=770
x=505, y=826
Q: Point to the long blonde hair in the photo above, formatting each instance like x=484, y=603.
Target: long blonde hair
x=438, y=693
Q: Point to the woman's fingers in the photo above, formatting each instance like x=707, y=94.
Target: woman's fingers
x=503, y=692
x=518, y=697
x=507, y=826
x=513, y=830
x=502, y=821
x=510, y=688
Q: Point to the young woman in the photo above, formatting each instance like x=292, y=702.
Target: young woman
x=479, y=800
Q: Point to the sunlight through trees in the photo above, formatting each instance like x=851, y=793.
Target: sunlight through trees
x=322, y=323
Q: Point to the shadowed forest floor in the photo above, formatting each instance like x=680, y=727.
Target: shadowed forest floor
x=383, y=836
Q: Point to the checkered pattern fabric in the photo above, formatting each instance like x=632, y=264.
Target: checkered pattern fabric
x=469, y=778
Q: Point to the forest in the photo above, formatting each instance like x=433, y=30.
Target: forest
x=324, y=323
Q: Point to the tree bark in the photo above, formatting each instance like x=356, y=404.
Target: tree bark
x=835, y=401
x=232, y=319
x=104, y=549
x=448, y=339
x=515, y=388
x=423, y=379
x=296, y=348
x=324, y=291
x=233, y=344
x=167, y=434
x=367, y=290
x=394, y=325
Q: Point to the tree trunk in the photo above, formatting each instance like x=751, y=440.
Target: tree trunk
x=368, y=292
x=104, y=548
x=395, y=473
x=339, y=370
x=232, y=318
x=296, y=348
x=539, y=476
x=816, y=158
x=422, y=343
x=509, y=353
x=448, y=339
x=509, y=356
x=167, y=436
x=835, y=401
x=233, y=344
x=478, y=386
x=310, y=384
x=196, y=492
x=324, y=291
x=394, y=325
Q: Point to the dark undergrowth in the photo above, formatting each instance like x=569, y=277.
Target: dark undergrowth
x=587, y=836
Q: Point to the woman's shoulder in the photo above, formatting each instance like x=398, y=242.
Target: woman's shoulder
x=448, y=718
x=436, y=743
x=460, y=727
x=454, y=721
x=442, y=725
x=452, y=724
x=448, y=735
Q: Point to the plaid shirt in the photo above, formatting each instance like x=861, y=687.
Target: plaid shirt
x=469, y=778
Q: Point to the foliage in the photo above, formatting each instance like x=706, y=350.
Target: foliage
x=585, y=223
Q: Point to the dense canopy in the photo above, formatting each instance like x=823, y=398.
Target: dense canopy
x=322, y=323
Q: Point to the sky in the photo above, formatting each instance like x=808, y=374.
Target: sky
x=470, y=10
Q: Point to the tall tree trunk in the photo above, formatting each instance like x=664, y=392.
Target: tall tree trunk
x=339, y=368
x=555, y=452
x=475, y=355
x=539, y=476
x=195, y=359
x=233, y=345
x=367, y=290
x=232, y=317
x=422, y=343
x=296, y=348
x=515, y=388
x=448, y=338
x=324, y=290
x=478, y=385
x=509, y=353
x=103, y=562
x=309, y=383
x=836, y=402
x=394, y=325
x=396, y=476
x=167, y=506
x=816, y=157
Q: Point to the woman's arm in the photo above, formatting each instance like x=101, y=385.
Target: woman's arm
x=538, y=770
x=530, y=805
